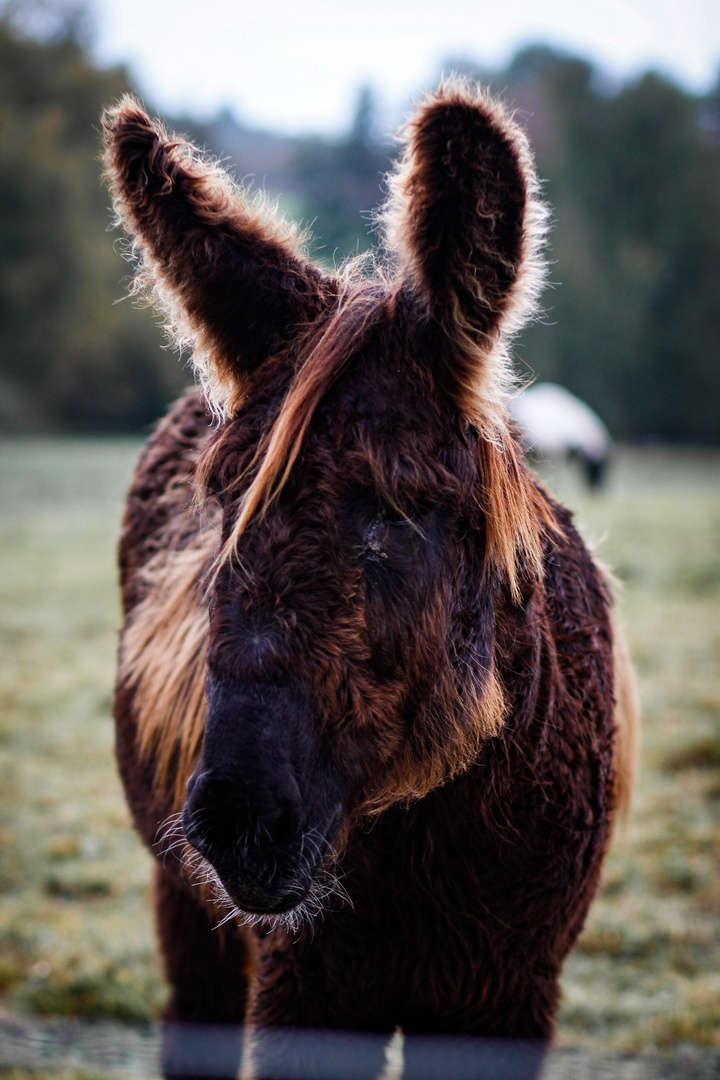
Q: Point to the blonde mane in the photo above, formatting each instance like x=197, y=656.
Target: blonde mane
x=171, y=622
x=517, y=513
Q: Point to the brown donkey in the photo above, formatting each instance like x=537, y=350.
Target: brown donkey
x=372, y=713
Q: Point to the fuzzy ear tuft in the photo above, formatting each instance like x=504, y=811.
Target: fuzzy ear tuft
x=231, y=280
x=466, y=225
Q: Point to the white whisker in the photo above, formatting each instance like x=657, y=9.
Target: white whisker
x=315, y=858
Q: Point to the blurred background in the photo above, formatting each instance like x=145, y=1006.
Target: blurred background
x=302, y=101
x=621, y=101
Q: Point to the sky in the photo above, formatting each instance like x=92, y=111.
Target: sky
x=297, y=65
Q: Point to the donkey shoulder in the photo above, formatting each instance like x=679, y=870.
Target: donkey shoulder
x=161, y=491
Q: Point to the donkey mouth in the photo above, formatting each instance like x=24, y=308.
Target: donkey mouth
x=266, y=906
x=271, y=883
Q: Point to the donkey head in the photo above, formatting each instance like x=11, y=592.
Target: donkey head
x=374, y=512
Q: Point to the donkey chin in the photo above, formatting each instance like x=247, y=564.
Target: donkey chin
x=263, y=806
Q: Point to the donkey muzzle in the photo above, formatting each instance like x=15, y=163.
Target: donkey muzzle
x=265, y=797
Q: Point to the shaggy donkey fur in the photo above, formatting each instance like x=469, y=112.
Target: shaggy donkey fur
x=368, y=670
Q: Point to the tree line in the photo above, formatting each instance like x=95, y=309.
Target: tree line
x=632, y=173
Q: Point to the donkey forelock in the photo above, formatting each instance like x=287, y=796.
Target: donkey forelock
x=321, y=355
x=515, y=512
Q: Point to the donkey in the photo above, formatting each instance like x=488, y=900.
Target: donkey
x=372, y=713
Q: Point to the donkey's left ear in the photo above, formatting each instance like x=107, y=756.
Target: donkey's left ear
x=466, y=226
x=231, y=282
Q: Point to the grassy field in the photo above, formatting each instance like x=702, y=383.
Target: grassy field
x=75, y=925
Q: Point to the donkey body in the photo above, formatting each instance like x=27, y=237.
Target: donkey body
x=371, y=710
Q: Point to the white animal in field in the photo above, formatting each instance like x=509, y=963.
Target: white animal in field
x=556, y=424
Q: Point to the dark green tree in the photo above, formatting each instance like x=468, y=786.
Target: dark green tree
x=633, y=176
x=71, y=357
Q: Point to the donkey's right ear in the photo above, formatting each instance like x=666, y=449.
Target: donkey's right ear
x=233, y=284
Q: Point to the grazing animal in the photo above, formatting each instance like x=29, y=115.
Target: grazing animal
x=555, y=424
x=366, y=684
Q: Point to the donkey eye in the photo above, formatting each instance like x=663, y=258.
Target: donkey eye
x=380, y=530
x=375, y=537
